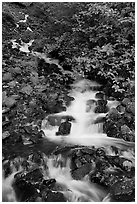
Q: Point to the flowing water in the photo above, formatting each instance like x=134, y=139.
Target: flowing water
x=85, y=132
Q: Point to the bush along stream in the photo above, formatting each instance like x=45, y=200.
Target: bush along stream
x=68, y=102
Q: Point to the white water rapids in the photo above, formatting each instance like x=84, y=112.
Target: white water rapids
x=83, y=132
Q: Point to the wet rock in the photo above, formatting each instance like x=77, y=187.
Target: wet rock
x=88, y=151
x=111, y=129
x=123, y=163
x=49, y=183
x=107, y=178
x=24, y=190
x=101, y=109
x=64, y=128
x=7, y=77
x=97, y=178
x=55, y=197
x=102, y=165
x=100, y=95
x=113, y=114
x=123, y=191
x=85, y=169
x=101, y=102
x=37, y=158
x=34, y=176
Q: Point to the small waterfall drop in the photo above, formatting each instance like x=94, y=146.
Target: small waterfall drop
x=84, y=131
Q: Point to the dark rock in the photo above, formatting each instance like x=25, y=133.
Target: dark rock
x=34, y=176
x=49, y=183
x=37, y=158
x=100, y=152
x=24, y=190
x=102, y=102
x=64, y=128
x=102, y=165
x=123, y=163
x=123, y=191
x=100, y=95
x=55, y=197
x=113, y=114
x=96, y=177
x=85, y=169
x=101, y=109
x=111, y=129
x=88, y=151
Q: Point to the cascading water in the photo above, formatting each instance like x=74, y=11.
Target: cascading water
x=85, y=132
